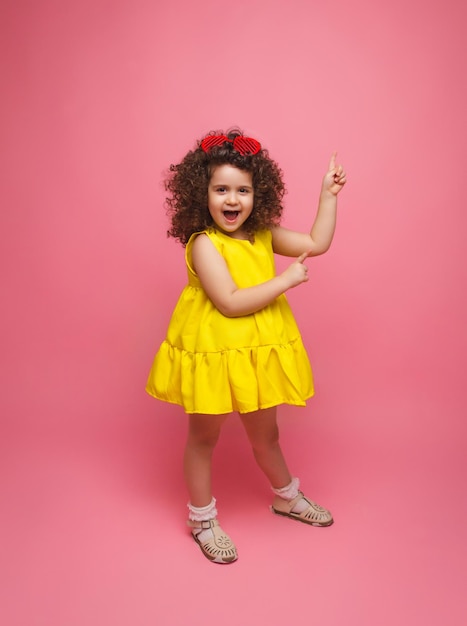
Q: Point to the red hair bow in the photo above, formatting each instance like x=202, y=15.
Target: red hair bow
x=243, y=145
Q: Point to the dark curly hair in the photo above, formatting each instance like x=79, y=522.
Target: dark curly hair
x=187, y=182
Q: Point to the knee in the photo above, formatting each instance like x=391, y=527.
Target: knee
x=204, y=430
x=265, y=441
x=203, y=438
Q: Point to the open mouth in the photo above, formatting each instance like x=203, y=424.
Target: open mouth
x=231, y=216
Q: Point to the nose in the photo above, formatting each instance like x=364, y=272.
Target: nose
x=231, y=197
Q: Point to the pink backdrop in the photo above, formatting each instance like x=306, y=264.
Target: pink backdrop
x=98, y=98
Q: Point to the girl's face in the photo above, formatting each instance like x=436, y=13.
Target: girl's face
x=230, y=199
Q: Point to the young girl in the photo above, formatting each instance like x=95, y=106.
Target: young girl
x=232, y=343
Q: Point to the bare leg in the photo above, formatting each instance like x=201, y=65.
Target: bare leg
x=263, y=433
x=203, y=433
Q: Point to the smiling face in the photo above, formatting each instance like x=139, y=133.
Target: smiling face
x=230, y=199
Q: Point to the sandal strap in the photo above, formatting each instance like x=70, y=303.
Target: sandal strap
x=204, y=524
x=298, y=497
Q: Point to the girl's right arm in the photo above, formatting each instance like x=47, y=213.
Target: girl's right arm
x=291, y=243
x=221, y=289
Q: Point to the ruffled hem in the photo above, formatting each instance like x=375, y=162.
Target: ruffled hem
x=243, y=380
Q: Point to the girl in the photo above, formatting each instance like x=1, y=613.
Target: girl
x=232, y=342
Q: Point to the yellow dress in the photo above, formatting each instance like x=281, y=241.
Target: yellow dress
x=209, y=363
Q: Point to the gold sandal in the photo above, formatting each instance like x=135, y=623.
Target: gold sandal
x=314, y=514
x=219, y=548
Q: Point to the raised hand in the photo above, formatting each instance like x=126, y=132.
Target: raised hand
x=297, y=272
x=335, y=177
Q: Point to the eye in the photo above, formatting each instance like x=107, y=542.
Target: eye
x=244, y=190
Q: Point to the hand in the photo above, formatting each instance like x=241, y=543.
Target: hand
x=297, y=272
x=335, y=177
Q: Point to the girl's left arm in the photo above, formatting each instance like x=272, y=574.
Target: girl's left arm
x=291, y=243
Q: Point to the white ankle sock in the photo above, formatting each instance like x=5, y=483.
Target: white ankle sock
x=289, y=492
x=202, y=514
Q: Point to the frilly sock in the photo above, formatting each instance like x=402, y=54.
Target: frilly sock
x=202, y=514
x=289, y=492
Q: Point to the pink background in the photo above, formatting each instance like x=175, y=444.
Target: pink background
x=98, y=98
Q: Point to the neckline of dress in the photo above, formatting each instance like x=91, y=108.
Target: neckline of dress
x=219, y=232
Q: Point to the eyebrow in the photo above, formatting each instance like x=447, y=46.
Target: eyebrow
x=225, y=185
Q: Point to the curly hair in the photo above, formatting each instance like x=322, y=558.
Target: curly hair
x=187, y=183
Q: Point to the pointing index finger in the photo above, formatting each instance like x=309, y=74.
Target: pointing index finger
x=332, y=162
